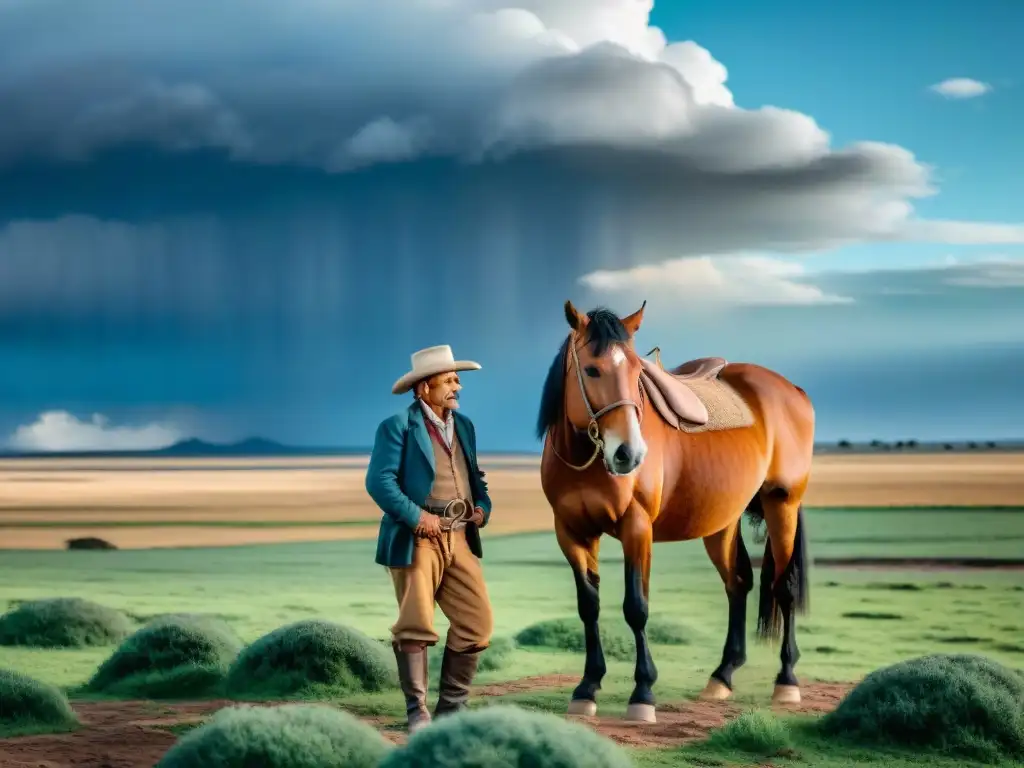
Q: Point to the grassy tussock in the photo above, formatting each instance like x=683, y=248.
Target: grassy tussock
x=63, y=622
x=312, y=658
x=175, y=656
x=288, y=736
x=956, y=703
x=503, y=736
x=28, y=706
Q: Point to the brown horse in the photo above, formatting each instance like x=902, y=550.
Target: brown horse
x=657, y=483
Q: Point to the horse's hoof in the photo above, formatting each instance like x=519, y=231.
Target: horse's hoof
x=715, y=690
x=786, y=694
x=641, y=713
x=584, y=707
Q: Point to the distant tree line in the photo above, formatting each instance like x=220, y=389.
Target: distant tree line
x=899, y=445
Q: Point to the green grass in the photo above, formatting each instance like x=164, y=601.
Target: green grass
x=806, y=748
x=257, y=589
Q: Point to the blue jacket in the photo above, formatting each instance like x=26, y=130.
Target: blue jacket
x=401, y=474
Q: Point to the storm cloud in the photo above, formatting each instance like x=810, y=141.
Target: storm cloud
x=591, y=88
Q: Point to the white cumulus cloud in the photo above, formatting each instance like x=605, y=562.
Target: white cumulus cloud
x=57, y=431
x=739, y=280
x=960, y=88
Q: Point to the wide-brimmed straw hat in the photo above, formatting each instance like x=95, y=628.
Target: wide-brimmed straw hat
x=430, y=361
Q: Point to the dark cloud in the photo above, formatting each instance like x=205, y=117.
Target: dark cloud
x=342, y=86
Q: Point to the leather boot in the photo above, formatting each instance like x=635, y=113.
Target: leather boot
x=413, y=677
x=457, y=672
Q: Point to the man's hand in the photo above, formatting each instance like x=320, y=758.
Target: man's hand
x=477, y=517
x=429, y=526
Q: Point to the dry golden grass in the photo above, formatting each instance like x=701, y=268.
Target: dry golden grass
x=323, y=499
x=143, y=537
x=904, y=480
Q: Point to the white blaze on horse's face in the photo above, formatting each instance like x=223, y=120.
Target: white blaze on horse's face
x=623, y=453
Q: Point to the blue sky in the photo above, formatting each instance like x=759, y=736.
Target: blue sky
x=200, y=237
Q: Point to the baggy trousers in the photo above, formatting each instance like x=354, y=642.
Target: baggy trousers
x=446, y=573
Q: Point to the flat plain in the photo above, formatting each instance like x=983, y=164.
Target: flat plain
x=138, y=503
x=915, y=555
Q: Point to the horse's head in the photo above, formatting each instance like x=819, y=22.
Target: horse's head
x=603, y=386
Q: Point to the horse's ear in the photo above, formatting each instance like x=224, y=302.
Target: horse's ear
x=632, y=322
x=576, y=319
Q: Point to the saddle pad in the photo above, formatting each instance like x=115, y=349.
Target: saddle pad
x=725, y=408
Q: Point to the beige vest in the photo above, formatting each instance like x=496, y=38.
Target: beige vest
x=451, y=476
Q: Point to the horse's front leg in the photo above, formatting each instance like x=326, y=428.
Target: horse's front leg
x=637, y=542
x=582, y=556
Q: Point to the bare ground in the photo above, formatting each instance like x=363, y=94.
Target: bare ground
x=133, y=734
x=137, y=503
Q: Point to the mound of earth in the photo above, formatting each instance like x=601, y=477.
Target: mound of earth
x=174, y=656
x=311, y=658
x=960, y=703
x=503, y=736
x=616, y=639
x=63, y=622
x=497, y=656
x=286, y=736
x=89, y=542
x=28, y=705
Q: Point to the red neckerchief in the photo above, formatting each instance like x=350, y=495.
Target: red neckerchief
x=436, y=434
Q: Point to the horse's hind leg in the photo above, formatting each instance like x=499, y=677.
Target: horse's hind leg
x=730, y=558
x=784, y=584
x=637, y=539
x=582, y=557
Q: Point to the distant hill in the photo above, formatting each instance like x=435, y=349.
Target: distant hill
x=194, y=447
x=254, y=447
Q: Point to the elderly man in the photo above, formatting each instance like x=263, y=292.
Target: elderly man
x=423, y=474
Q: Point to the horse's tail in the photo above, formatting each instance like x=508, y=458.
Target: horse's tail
x=769, y=615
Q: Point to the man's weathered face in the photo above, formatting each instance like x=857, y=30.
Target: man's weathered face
x=441, y=391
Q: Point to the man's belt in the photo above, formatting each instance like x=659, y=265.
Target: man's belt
x=454, y=514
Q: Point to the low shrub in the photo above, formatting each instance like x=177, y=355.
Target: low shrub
x=28, y=705
x=311, y=657
x=63, y=622
x=756, y=733
x=960, y=703
x=287, y=736
x=616, y=639
x=503, y=736
x=174, y=656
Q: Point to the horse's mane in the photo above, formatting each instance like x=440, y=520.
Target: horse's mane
x=604, y=329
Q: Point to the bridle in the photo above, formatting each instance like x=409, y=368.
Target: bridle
x=593, y=431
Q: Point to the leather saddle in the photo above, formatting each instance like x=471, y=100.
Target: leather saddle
x=669, y=393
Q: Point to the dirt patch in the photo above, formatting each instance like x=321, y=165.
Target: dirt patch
x=527, y=684
x=118, y=734
x=683, y=722
x=922, y=563
x=136, y=734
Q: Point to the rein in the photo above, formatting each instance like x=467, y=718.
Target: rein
x=593, y=430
